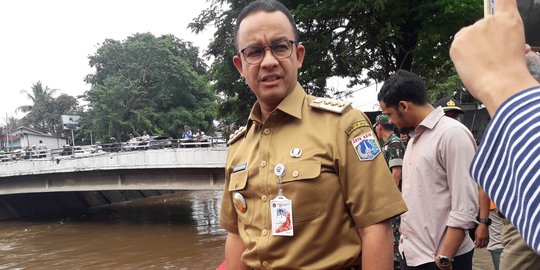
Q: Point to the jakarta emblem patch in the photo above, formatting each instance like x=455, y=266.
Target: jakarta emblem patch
x=366, y=146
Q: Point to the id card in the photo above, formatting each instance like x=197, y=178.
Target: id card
x=282, y=216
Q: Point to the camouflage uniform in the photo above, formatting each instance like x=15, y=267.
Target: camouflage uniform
x=394, y=150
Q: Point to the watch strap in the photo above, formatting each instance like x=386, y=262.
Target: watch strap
x=486, y=221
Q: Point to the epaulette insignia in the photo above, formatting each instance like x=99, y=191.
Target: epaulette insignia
x=236, y=135
x=328, y=104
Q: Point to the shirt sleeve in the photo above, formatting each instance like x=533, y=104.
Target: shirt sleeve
x=369, y=191
x=456, y=154
x=507, y=164
x=397, y=151
x=228, y=218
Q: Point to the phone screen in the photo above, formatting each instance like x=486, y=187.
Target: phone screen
x=530, y=14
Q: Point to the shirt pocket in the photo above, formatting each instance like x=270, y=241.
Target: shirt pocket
x=237, y=183
x=301, y=184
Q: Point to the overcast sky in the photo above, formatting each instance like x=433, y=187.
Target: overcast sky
x=50, y=41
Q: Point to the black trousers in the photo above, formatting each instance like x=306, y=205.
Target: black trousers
x=461, y=262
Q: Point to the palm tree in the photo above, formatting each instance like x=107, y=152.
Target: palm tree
x=37, y=94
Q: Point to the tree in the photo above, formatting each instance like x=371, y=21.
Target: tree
x=148, y=83
x=45, y=112
x=36, y=95
x=364, y=41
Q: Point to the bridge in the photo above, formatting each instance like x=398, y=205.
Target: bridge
x=62, y=182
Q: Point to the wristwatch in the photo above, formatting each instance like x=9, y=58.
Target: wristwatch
x=444, y=261
x=486, y=221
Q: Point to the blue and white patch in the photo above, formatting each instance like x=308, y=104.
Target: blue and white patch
x=366, y=146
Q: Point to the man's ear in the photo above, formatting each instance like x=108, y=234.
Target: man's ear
x=237, y=61
x=404, y=106
x=300, y=52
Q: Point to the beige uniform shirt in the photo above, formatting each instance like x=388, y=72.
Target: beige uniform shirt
x=332, y=190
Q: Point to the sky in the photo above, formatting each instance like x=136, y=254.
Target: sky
x=50, y=41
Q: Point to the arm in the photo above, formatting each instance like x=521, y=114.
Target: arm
x=234, y=247
x=377, y=246
x=396, y=174
x=482, y=233
x=451, y=242
x=458, y=149
x=396, y=151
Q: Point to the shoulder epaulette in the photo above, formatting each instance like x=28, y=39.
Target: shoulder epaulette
x=333, y=105
x=236, y=135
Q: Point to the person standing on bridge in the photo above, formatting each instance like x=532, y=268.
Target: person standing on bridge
x=42, y=148
x=304, y=171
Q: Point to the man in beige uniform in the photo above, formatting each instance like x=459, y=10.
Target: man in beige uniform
x=332, y=170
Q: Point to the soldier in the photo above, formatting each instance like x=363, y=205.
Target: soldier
x=392, y=147
x=451, y=107
x=393, y=150
x=305, y=184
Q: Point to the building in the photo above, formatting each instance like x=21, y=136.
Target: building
x=24, y=137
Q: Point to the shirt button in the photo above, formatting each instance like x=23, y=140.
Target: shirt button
x=295, y=174
x=264, y=232
x=266, y=131
x=263, y=163
x=263, y=198
x=265, y=263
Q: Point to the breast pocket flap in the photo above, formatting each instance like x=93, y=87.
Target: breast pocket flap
x=238, y=180
x=302, y=170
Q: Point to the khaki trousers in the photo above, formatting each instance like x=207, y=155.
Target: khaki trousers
x=516, y=255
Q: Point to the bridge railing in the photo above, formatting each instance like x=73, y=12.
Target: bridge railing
x=91, y=150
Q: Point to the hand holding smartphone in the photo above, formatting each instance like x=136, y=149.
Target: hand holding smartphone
x=529, y=10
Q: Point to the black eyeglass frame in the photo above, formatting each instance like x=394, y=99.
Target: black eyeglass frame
x=292, y=42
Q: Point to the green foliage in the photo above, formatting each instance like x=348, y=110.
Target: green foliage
x=157, y=84
x=44, y=114
x=364, y=40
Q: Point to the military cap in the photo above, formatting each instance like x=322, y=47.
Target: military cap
x=382, y=119
x=449, y=104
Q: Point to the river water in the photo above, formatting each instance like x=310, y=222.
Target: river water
x=174, y=231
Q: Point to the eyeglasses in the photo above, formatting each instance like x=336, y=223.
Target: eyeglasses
x=254, y=54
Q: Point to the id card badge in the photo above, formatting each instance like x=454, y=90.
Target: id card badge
x=282, y=216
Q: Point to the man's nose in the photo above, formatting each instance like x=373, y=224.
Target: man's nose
x=269, y=60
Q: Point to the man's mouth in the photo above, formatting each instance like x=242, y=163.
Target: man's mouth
x=270, y=78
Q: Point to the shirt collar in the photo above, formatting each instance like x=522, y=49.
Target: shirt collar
x=291, y=105
x=387, y=141
x=429, y=122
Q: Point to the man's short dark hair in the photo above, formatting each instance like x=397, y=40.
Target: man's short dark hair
x=388, y=127
x=266, y=6
x=403, y=86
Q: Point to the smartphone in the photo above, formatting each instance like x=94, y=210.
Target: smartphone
x=530, y=14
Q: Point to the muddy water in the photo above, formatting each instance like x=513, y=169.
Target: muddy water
x=175, y=231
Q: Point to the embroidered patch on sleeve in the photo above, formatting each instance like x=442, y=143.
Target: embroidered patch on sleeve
x=355, y=126
x=366, y=146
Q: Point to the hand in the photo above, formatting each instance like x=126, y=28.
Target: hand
x=489, y=56
x=481, y=236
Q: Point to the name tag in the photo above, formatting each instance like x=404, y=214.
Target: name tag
x=240, y=167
